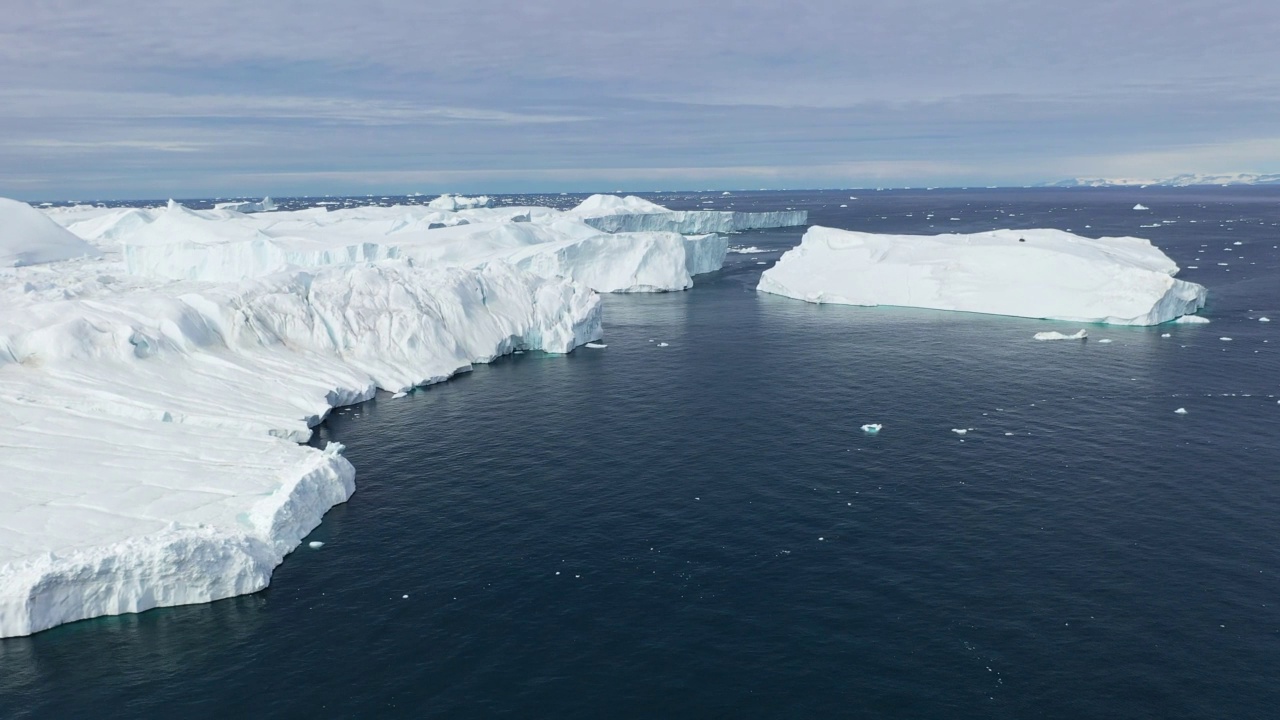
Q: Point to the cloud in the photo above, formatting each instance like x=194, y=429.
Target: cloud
x=975, y=91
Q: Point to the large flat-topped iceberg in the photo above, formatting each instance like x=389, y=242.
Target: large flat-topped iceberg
x=1025, y=273
x=634, y=214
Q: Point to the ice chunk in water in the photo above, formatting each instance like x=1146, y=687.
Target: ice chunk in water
x=871, y=428
x=1053, y=335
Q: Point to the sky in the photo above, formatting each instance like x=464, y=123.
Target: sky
x=134, y=99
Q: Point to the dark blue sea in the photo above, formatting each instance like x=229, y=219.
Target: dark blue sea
x=702, y=530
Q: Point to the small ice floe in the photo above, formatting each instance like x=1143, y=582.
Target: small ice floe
x=1104, y=341
x=662, y=344
x=1181, y=411
x=762, y=263
x=315, y=544
x=596, y=346
x=1191, y=320
x=961, y=431
x=1264, y=319
x=1225, y=339
x=1165, y=335
x=399, y=395
x=871, y=428
x=1140, y=206
x=1054, y=335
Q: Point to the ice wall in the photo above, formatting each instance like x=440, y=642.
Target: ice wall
x=151, y=454
x=1026, y=273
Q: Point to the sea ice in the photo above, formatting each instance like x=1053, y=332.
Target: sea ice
x=871, y=428
x=315, y=544
x=1181, y=411
x=1048, y=274
x=1264, y=319
x=1191, y=320
x=596, y=346
x=1140, y=206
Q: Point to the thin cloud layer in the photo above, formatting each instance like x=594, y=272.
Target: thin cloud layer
x=133, y=99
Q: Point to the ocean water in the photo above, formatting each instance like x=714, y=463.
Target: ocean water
x=702, y=530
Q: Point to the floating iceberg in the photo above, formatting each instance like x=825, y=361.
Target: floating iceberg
x=611, y=213
x=266, y=204
x=177, y=243
x=458, y=202
x=158, y=372
x=872, y=428
x=151, y=454
x=1047, y=274
x=1140, y=206
x=1051, y=335
x=1192, y=320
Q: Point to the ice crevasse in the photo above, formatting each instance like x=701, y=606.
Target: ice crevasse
x=1048, y=274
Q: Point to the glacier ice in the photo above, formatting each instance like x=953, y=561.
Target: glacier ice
x=1052, y=335
x=1049, y=274
x=266, y=204
x=1140, y=206
x=1192, y=320
x=29, y=237
x=611, y=213
x=159, y=367
x=177, y=243
x=872, y=428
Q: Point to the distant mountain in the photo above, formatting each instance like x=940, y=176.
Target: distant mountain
x=1182, y=180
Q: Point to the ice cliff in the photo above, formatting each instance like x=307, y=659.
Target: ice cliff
x=1025, y=273
x=159, y=366
x=611, y=213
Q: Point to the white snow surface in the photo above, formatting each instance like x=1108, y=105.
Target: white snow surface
x=155, y=382
x=1048, y=274
x=29, y=237
x=458, y=202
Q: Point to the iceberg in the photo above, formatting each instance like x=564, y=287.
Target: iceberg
x=29, y=237
x=872, y=428
x=458, y=202
x=151, y=436
x=1052, y=335
x=612, y=213
x=266, y=204
x=177, y=243
x=1047, y=274
x=160, y=366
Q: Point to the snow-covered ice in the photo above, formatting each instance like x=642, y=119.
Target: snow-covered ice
x=1192, y=320
x=596, y=345
x=872, y=428
x=1048, y=274
x=158, y=368
x=177, y=243
x=29, y=237
x=1053, y=335
x=1181, y=411
x=266, y=204
x=1140, y=206
x=612, y=213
